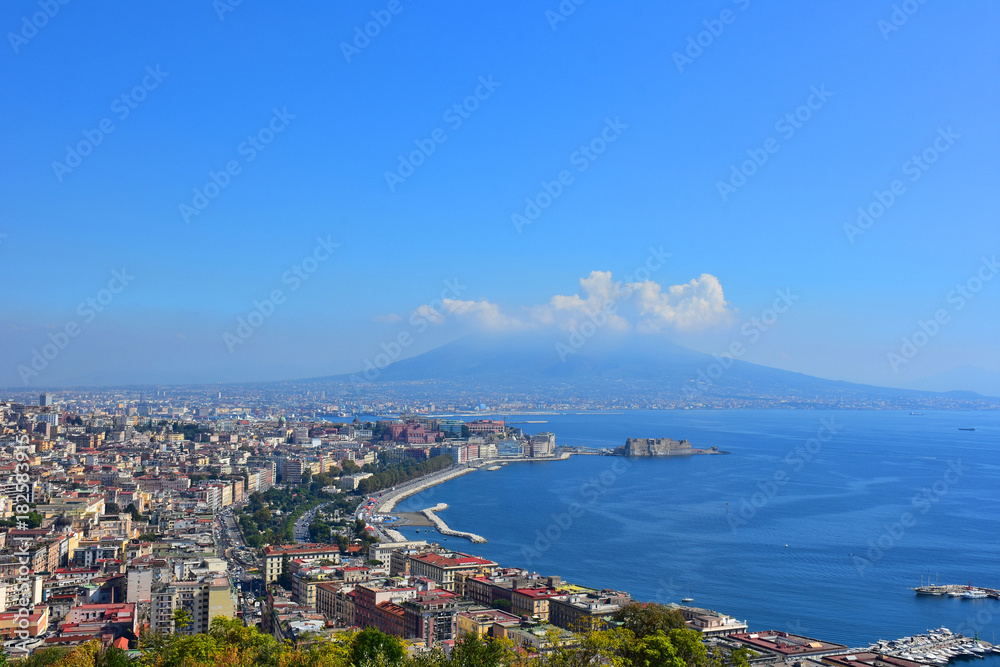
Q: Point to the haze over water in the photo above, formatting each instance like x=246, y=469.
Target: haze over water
x=664, y=529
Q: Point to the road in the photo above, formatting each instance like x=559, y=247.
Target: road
x=239, y=558
x=301, y=528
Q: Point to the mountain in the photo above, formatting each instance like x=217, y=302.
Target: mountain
x=967, y=378
x=633, y=369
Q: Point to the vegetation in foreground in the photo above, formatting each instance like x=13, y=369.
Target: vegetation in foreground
x=646, y=636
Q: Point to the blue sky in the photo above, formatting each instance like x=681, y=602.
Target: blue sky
x=338, y=123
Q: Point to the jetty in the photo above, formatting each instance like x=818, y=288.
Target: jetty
x=443, y=528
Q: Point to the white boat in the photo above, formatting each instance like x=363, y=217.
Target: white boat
x=974, y=595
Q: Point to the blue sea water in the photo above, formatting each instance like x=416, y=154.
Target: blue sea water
x=817, y=522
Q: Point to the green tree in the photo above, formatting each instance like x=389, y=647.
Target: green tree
x=373, y=647
x=182, y=619
x=645, y=619
x=131, y=509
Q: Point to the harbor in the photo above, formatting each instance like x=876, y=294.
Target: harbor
x=934, y=647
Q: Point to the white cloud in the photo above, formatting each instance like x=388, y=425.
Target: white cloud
x=698, y=304
x=646, y=306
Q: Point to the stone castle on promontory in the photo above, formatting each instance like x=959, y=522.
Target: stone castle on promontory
x=661, y=447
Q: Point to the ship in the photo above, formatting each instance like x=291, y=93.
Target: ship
x=966, y=428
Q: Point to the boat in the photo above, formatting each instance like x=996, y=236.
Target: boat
x=687, y=600
x=917, y=414
x=974, y=595
x=966, y=428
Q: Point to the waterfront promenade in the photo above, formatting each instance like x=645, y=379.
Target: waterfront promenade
x=387, y=502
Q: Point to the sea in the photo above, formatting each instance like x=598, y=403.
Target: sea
x=818, y=523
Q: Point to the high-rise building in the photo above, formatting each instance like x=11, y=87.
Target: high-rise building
x=203, y=600
x=46, y=399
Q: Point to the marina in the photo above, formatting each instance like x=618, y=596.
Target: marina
x=934, y=647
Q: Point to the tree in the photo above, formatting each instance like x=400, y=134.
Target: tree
x=466, y=431
x=645, y=619
x=182, y=619
x=112, y=508
x=373, y=647
x=131, y=509
x=285, y=578
x=501, y=604
x=262, y=517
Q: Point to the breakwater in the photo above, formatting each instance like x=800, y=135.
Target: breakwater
x=443, y=528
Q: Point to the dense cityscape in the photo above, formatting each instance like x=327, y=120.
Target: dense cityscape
x=128, y=521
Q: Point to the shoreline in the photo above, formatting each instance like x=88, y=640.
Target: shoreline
x=385, y=506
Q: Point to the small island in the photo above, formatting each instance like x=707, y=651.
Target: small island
x=661, y=447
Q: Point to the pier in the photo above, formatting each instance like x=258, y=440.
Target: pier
x=443, y=528
x=967, y=591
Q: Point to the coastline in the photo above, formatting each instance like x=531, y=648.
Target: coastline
x=385, y=505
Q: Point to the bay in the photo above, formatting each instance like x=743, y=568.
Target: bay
x=817, y=522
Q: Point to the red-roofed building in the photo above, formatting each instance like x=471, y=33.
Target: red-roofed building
x=275, y=555
x=532, y=602
x=38, y=622
x=443, y=568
